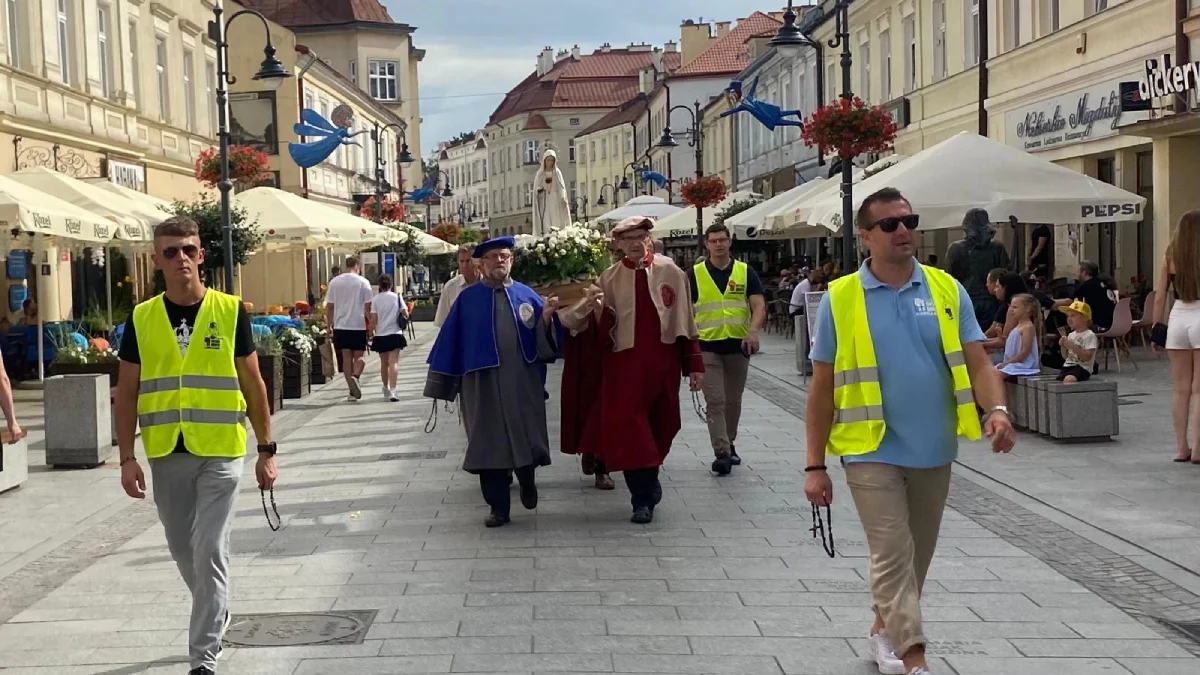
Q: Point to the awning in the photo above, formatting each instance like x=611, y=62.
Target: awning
x=136, y=221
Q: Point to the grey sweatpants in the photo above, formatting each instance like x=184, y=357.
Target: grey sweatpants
x=195, y=498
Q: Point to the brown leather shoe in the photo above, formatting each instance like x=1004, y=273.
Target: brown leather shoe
x=604, y=482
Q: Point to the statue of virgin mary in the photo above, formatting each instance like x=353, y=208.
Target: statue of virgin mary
x=550, y=206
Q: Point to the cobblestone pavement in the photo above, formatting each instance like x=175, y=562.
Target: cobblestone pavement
x=728, y=579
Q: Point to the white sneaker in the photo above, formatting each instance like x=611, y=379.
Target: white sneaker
x=920, y=670
x=387, y=393
x=351, y=399
x=883, y=653
x=392, y=396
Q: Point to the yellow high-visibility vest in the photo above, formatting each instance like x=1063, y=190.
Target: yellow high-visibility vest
x=196, y=394
x=722, y=315
x=858, y=424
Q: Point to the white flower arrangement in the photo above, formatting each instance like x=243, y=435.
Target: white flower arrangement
x=570, y=254
x=298, y=342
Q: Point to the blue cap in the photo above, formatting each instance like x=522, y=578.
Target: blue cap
x=493, y=244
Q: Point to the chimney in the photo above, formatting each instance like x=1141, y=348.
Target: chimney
x=722, y=29
x=640, y=47
x=694, y=38
x=545, y=62
x=656, y=59
x=575, y=52
x=671, y=47
x=605, y=48
x=562, y=54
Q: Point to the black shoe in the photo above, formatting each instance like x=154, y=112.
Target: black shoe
x=529, y=496
x=733, y=456
x=494, y=520
x=722, y=465
x=656, y=494
x=642, y=515
x=201, y=671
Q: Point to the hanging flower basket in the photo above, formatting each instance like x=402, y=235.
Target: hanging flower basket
x=851, y=128
x=704, y=192
x=448, y=232
x=247, y=166
x=393, y=211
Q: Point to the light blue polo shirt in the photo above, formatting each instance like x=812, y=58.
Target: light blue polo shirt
x=918, y=396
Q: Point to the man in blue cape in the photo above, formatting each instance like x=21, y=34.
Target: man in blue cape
x=492, y=351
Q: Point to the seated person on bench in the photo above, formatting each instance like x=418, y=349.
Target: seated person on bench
x=1079, y=347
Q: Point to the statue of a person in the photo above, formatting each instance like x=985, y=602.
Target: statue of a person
x=970, y=259
x=550, y=206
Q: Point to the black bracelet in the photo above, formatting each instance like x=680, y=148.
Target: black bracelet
x=818, y=467
x=127, y=460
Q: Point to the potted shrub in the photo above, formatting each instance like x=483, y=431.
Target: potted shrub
x=297, y=362
x=270, y=364
x=71, y=359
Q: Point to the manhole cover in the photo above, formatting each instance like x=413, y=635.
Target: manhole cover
x=424, y=454
x=293, y=630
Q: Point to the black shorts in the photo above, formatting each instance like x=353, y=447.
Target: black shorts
x=381, y=344
x=350, y=340
x=1081, y=374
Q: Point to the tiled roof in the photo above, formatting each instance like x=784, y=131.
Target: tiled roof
x=627, y=113
x=729, y=55
x=292, y=13
x=602, y=79
x=536, y=121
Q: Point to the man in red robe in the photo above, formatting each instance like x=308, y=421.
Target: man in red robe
x=646, y=337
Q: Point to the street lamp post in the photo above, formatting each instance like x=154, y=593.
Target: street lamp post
x=625, y=184
x=579, y=204
x=695, y=142
x=466, y=212
x=272, y=75
x=601, y=201
x=404, y=157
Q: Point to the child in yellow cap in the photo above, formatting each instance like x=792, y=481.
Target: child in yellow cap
x=1079, y=347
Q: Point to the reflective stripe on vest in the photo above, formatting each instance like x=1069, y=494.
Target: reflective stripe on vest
x=197, y=394
x=858, y=423
x=722, y=315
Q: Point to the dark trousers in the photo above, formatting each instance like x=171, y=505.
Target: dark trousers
x=494, y=485
x=644, y=488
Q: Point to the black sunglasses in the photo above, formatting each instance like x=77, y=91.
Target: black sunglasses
x=890, y=225
x=819, y=528
x=172, y=252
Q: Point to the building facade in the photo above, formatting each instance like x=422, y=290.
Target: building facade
x=465, y=161
x=710, y=60
x=567, y=93
x=720, y=140
x=608, y=153
x=373, y=52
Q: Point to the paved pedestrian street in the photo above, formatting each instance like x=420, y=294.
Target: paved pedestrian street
x=382, y=527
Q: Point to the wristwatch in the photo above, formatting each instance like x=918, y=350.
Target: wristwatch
x=998, y=408
x=268, y=448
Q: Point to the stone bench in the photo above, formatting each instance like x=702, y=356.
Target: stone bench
x=14, y=465
x=1080, y=411
x=1021, y=400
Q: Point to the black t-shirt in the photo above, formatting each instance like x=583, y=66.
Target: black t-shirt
x=183, y=321
x=1041, y=262
x=1100, y=298
x=721, y=280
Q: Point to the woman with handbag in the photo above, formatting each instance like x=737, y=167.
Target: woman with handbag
x=389, y=317
x=1180, y=274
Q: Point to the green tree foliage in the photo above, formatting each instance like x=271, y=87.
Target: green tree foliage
x=206, y=211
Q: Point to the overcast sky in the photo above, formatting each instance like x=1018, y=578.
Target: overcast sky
x=476, y=50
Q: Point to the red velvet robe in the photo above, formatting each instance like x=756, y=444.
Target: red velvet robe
x=582, y=356
x=635, y=415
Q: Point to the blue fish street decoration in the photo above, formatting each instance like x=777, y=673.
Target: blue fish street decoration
x=768, y=114
x=425, y=192
x=654, y=177
x=328, y=135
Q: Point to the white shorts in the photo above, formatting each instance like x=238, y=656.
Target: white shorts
x=1183, y=327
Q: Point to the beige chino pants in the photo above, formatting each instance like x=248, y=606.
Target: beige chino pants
x=724, y=382
x=901, y=513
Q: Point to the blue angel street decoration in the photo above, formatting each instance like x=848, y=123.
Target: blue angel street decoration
x=768, y=114
x=425, y=191
x=654, y=177
x=330, y=136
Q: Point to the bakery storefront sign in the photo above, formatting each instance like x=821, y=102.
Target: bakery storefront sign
x=1075, y=117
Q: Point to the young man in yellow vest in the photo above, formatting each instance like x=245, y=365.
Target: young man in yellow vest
x=898, y=366
x=727, y=296
x=189, y=375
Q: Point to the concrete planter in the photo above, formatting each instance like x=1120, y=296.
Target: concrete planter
x=14, y=465
x=78, y=416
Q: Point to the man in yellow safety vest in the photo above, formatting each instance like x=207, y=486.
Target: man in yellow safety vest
x=727, y=296
x=189, y=375
x=898, y=366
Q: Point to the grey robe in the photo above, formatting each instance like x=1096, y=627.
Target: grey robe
x=504, y=408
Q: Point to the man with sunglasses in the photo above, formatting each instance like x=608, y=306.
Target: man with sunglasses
x=189, y=375
x=898, y=366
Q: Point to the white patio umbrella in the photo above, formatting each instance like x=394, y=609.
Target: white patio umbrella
x=682, y=223
x=794, y=216
x=969, y=171
x=289, y=220
x=430, y=245
x=749, y=222
x=150, y=201
x=136, y=220
x=644, y=205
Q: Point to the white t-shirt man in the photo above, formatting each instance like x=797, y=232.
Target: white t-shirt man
x=349, y=293
x=449, y=294
x=797, y=301
x=386, y=306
